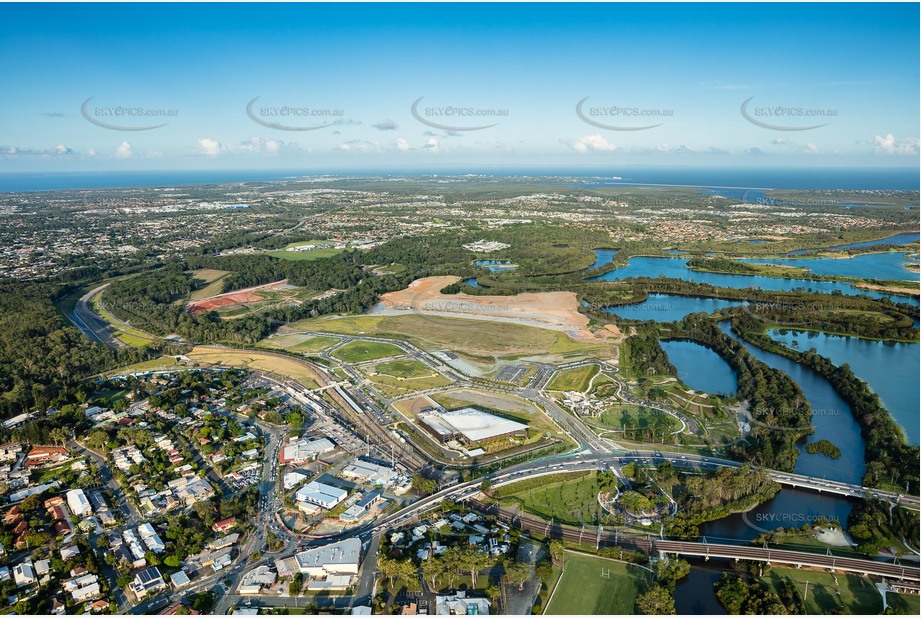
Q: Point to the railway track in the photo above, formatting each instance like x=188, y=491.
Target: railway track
x=536, y=525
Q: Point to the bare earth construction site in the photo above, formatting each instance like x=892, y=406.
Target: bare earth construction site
x=553, y=310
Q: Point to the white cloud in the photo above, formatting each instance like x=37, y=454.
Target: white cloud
x=91, y=152
x=124, y=151
x=401, y=145
x=890, y=145
x=431, y=144
x=269, y=146
x=209, y=147
x=357, y=145
x=590, y=143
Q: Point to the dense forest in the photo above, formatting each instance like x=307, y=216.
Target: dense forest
x=708, y=498
x=740, y=594
x=643, y=351
x=42, y=356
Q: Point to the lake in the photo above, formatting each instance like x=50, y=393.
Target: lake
x=886, y=266
x=890, y=369
x=676, y=268
x=789, y=508
x=602, y=257
x=701, y=368
x=669, y=307
x=496, y=265
x=898, y=239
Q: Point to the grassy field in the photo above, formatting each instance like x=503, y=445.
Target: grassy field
x=131, y=336
x=360, y=351
x=251, y=359
x=164, y=363
x=619, y=415
x=850, y=595
x=597, y=586
x=403, y=376
x=214, y=279
x=452, y=400
x=474, y=337
x=302, y=344
x=575, y=379
x=570, y=501
x=406, y=368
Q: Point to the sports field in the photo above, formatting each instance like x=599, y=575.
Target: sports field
x=403, y=376
x=592, y=585
x=313, y=254
x=360, y=351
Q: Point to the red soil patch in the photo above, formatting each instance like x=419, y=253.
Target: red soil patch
x=239, y=297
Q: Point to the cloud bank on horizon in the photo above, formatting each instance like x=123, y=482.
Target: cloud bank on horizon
x=100, y=87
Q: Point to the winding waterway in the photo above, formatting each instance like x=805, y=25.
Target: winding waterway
x=831, y=417
x=890, y=369
x=884, y=266
x=676, y=268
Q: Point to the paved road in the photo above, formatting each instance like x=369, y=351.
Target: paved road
x=93, y=326
x=364, y=590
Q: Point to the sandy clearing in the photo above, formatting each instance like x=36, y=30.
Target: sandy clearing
x=553, y=310
x=834, y=536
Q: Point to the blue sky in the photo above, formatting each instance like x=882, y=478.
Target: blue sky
x=686, y=68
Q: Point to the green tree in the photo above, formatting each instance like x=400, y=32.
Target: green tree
x=424, y=485
x=517, y=574
x=671, y=572
x=294, y=588
x=473, y=561
x=556, y=551
x=657, y=600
